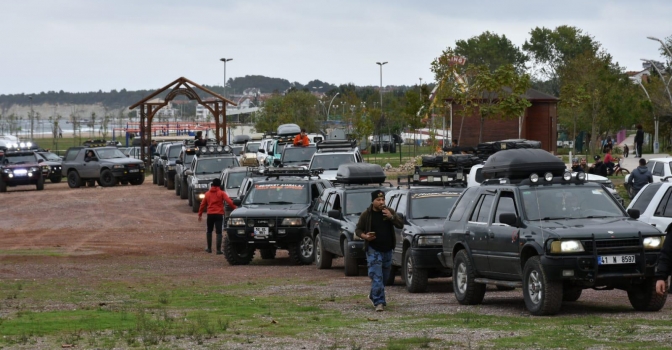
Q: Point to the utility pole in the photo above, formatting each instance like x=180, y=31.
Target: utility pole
x=32, y=118
x=382, y=115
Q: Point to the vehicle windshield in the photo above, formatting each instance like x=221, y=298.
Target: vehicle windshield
x=282, y=193
x=384, y=138
x=110, y=153
x=50, y=156
x=298, y=154
x=252, y=147
x=357, y=202
x=236, y=150
x=188, y=158
x=174, y=152
x=235, y=179
x=432, y=205
x=279, y=147
x=20, y=158
x=568, y=202
x=330, y=161
x=214, y=165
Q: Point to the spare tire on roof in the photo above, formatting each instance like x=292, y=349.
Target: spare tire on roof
x=521, y=163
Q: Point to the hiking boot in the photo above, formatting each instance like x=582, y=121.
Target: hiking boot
x=219, y=252
x=380, y=308
x=208, y=250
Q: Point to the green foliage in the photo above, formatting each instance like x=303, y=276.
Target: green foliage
x=297, y=107
x=491, y=50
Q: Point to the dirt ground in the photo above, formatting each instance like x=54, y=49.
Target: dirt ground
x=98, y=233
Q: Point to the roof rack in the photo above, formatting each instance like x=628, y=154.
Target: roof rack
x=336, y=145
x=21, y=146
x=434, y=178
x=213, y=150
x=296, y=172
x=255, y=171
x=285, y=139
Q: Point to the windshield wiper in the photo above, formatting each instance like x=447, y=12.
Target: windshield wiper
x=280, y=202
x=255, y=203
x=430, y=217
x=597, y=217
x=558, y=218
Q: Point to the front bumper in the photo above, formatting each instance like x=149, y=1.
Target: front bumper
x=128, y=174
x=426, y=257
x=199, y=194
x=20, y=180
x=281, y=235
x=357, y=249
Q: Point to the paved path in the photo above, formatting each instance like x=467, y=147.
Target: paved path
x=631, y=162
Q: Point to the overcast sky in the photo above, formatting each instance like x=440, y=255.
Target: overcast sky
x=91, y=45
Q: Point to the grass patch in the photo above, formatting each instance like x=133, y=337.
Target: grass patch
x=31, y=252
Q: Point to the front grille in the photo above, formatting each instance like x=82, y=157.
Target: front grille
x=611, y=244
x=264, y=222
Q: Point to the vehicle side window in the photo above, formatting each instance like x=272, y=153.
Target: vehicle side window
x=645, y=196
x=506, y=204
x=663, y=203
x=658, y=169
x=669, y=164
x=71, y=155
x=393, y=202
x=479, y=175
x=401, y=207
x=330, y=202
x=474, y=213
x=650, y=165
x=667, y=199
x=482, y=211
x=463, y=203
x=319, y=205
x=315, y=193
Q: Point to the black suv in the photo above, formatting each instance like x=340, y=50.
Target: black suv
x=160, y=163
x=275, y=214
x=336, y=214
x=19, y=167
x=423, y=206
x=182, y=164
x=206, y=166
x=167, y=164
x=531, y=224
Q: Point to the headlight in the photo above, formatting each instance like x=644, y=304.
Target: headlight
x=34, y=169
x=566, y=247
x=236, y=222
x=171, y=167
x=430, y=240
x=653, y=242
x=201, y=196
x=292, y=222
x=118, y=167
x=7, y=171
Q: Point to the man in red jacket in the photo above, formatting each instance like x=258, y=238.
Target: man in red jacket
x=301, y=139
x=214, y=200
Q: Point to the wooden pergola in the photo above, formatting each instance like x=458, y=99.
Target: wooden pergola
x=180, y=86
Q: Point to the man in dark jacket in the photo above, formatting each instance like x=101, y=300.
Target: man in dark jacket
x=199, y=139
x=376, y=226
x=640, y=177
x=664, y=266
x=575, y=166
x=639, y=140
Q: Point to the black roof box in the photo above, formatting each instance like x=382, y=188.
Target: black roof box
x=360, y=173
x=289, y=129
x=520, y=163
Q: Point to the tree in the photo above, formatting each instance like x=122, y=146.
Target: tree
x=491, y=50
x=552, y=49
x=297, y=107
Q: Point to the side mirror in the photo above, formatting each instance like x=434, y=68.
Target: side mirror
x=276, y=162
x=261, y=151
x=189, y=172
x=40, y=160
x=633, y=213
x=334, y=214
x=155, y=154
x=179, y=161
x=164, y=157
x=128, y=156
x=237, y=201
x=509, y=218
x=270, y=153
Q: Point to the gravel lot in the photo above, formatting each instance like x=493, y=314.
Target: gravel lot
x=101, y=232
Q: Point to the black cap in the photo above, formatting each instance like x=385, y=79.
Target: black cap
x=377, y=194
x=216, y=182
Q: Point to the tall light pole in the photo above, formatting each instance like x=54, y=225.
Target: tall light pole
x=332, y=101
x=662, y=44
x=31, y=117
x=381, y=104
x=225, y=60
x=667, y=88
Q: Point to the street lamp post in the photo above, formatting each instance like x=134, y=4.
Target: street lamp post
x=381, y=103
x=31, y=117
x=332, y=101
x=225, y=60
x=667, y=88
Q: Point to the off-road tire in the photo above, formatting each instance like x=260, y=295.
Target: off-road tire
x=571, y=294
x=542, y=297
x=194, y=204
x=74, y=181
x=323, y=258
x=189, y=197
x=268, y=253
x=303, y=252
x=415, y=278
x=170, y=183
x=393, y=275
x=137, y=181
x=3, y=186
x=177, y=186
x=159, y=176
x=183, y=191
x=350, y=264
x=466, y=290
x=154, y=177
x=237, y=253
x=643, y=297
x=56, y=179
x=40, y=184
x=107, y=179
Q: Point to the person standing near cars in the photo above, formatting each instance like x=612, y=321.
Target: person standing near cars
x=301, y=139
x=639, y=140
x=376, y=227
x=664, y=266
x=640, y=177
x=214, y=200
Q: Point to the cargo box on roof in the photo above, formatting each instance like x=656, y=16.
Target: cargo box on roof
x=289, y=129
x=360, y=173
x=520, y=163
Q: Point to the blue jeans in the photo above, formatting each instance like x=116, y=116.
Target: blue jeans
x=380, y=266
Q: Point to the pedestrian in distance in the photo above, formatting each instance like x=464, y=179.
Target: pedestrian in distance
x=214, y=200
x=598, y=168
x=199, y=139
x=376, y=227
x=575, y=166
x=301, y=139
x=152, y=148
x=639, y=141
x=664, y=266
x=609, y=161
x=639, y=177
x=626, y=150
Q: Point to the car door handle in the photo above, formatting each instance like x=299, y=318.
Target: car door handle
x=491, y=234
x=467, y=233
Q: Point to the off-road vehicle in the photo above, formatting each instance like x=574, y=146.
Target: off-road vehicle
x=331, y=154
x=533, y=225
x=20, y=167
x=108, y=167
x=206, y=166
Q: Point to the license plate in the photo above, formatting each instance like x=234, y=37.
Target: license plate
x=134, y=170
x=261, y=232
x=615, y=259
